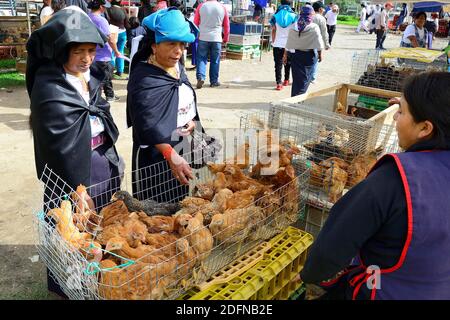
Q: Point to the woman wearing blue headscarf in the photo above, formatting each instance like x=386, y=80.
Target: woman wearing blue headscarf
x=307, y=42
x=161, y=107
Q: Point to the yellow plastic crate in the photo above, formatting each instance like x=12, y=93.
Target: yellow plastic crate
x=270, y=278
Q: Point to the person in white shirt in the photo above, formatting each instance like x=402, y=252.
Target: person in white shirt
x=331, y=17
x=46, y=12
x=416, y=35
x=319, y=19
x=212, y=19
x=362, y=19
x=381, y=19
x=282, y=21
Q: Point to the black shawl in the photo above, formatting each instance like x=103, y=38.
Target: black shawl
x=152, y=104
x=61, y=126
x=59, y=115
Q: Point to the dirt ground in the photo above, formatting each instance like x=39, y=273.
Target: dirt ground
x=246, y=85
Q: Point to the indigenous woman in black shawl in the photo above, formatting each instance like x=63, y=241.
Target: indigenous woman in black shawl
x=74, y=132
x=161, y=108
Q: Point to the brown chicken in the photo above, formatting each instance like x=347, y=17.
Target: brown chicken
x=193, y=202
x=186, y=258
x=283, y=176
x=215, y=168
x=114, y=212
x=231, y=226
x=199, y=236
x=160, y=264
x=334, y=161
x=66, y=227
x=242, y=157
x=220, y=182
x=163, y=240
x=269, y=202
x=237, y=180
x=241, y=199
x=316, y=174
x=92, y=251
x=289, y=205
x=84, y=207
x=157, y=224
x=134, y=282
x=207, y=211
x=221, y=198
x=360, y=167
x=334, y=182
x=133, y=230
x=204, y=191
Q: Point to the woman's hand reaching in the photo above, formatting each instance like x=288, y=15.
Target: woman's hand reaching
x=180, y=168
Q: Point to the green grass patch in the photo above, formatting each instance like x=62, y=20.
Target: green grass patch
x=8, y=64
x=11, y=79
x=348, y=20
x=35, y=291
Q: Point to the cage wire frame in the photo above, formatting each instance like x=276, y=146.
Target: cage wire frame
x=167, y=276
x=314, y=131
x=371, y=70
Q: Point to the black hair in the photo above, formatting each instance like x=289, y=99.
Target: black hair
x=145, y=2
x=134, y=22
x=145, y=48
x=428, y=97
x=421, y=13
x=363, y=5
x=286, y=2
x=57, y=5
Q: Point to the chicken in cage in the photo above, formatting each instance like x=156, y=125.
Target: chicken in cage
x=144, y=249
x=339, y=150
x=371, y=69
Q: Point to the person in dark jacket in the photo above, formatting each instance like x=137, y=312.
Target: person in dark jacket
x=161, y=108
x=145, y=9
x=118, y=17
x=73, y=131
x=388, y=237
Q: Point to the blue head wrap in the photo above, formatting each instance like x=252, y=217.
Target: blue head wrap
x=305, y=17
x=170, y=25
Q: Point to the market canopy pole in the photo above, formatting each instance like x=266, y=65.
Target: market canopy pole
x=28, y=18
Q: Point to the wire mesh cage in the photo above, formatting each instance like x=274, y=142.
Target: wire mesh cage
x=160, y=238
x=338, y=150
x=370, y=69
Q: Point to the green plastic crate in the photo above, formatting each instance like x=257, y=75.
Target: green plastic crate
x=373, y=103
x=269, y=279
x=243, y=48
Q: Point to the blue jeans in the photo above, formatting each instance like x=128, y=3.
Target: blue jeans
x=118, y=63
x=211, y=49
x=315, y=67
x=302, y=63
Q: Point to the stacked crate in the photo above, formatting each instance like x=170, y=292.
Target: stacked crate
x=265, y=273
x=245, y=41
x=442, y=28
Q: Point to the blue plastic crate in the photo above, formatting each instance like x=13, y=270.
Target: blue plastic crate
x=245, y=29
